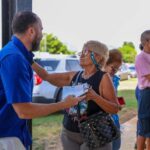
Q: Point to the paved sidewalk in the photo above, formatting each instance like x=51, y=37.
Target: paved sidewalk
x=128, y=135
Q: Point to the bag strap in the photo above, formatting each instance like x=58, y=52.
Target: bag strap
x=77, y=78
x=75, y=83
x=78, y=112
x=78, y=106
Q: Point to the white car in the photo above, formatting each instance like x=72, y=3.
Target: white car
x=43, y=91
x=133, y=73
x=124, y=72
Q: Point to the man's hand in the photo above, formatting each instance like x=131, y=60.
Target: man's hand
x=71, y=100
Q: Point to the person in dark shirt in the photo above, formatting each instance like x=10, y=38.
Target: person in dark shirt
x=16, y=80
x=101, y=97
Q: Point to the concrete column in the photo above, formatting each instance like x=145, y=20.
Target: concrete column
x=9, y=8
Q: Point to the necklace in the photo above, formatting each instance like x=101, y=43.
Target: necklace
x=84, y=76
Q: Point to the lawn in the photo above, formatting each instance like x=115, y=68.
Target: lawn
x=127, y=90
x=46, y=130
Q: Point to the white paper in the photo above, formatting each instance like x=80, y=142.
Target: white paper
x=76, y=90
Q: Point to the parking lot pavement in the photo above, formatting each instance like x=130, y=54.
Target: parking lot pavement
x=128, y=136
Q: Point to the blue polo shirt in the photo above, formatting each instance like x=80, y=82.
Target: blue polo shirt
x=16, y=84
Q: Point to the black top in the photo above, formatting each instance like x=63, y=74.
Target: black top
x=93, y=108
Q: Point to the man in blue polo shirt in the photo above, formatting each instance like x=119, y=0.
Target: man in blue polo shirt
x=16, y=80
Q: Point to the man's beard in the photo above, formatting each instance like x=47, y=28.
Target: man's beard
x=35, y=45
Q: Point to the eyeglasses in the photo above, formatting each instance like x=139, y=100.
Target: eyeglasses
x=84, y=52
x=114, y=69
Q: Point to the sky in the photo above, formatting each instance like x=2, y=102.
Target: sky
x=110, y=21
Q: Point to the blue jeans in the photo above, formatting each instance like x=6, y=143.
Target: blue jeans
x=116, y=144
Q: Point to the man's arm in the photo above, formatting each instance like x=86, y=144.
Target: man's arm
x=57, y=79
x=33, y=110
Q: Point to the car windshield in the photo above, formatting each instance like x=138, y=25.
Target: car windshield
x=49, y=65
x=73, y=65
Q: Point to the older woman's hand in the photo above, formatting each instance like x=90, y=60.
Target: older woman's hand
x=91, y=94
x=71, y=100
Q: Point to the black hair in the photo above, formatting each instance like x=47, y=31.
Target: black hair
x=145, y=36
x=141, y=47
x=22, y=20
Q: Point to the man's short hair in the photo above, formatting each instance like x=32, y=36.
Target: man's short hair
x=22, y=20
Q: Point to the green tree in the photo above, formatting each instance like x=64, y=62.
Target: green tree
x=128, y=51
x=53, y=45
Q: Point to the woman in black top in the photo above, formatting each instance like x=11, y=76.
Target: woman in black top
x=101, y=97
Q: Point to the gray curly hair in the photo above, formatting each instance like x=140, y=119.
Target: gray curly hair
x=98, y=48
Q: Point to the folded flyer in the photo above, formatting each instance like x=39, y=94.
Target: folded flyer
x=76, y=90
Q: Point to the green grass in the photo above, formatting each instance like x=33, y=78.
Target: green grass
x=129, y=98
x=128, y=84
x=127, y=90
x=47, y=129
x=46, y=120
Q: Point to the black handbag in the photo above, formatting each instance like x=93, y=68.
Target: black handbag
x=98, y=130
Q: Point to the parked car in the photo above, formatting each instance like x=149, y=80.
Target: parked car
x=43, y=91
x=132, y=73
x=124, y=72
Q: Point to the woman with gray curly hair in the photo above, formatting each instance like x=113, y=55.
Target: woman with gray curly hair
x=100, y=98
